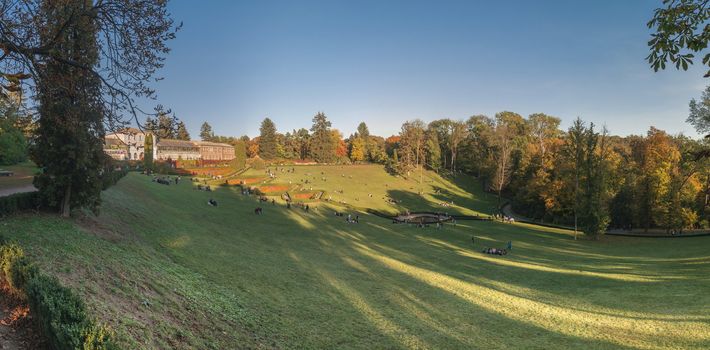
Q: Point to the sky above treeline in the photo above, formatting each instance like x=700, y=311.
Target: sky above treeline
x=385, y=62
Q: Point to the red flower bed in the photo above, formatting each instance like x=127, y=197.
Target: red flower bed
x=273, y=188
x=303, y=195
x=210, y=171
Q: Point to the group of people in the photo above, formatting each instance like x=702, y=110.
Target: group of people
x=495, y=251
x=204, y=188
x=166, y=180
x=350, y=219
x=503, y=218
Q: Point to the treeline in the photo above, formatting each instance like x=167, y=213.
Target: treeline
x=581, y=176
x=321, y=143
x=15, y=128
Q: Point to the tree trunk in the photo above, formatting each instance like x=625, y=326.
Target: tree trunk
x=66, y=206
x=576, y=199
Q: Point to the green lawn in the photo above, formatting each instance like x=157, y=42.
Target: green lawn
x=368, y=186
x=168, y=271
x=24, y=174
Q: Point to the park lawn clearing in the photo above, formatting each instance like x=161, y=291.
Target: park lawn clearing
x=168, y=271
x=368, y=186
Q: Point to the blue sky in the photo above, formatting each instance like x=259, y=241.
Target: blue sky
x=384, y=62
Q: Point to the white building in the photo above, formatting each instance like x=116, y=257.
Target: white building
x=133, y=141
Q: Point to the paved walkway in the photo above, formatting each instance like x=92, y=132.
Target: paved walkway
x=9, y=191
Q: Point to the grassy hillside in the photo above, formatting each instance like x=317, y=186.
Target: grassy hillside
x=169, y=271
x=369, y=186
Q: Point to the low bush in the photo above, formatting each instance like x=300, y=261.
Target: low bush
x=21, y=272
x=110, y=178
x=9, y=253
x=59, y=312
x=18, y=202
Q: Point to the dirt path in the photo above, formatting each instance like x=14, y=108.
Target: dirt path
x=9, y=191
x=508, y=211
x=17, y=332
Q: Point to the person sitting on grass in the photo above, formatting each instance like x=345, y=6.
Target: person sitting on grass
x=212, y=202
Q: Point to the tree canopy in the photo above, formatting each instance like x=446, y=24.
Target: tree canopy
x=681, y=32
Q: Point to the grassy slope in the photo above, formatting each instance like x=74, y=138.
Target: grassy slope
x=24, y=174
x=358, y=181
x=296, y=280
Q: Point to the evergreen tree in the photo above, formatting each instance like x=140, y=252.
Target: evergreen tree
x=392, y=164
x=69, y=143
x=267, y=140
x=575, y=150
x=148, y=152
x=206, y=133
x=595, y=216
x=322, y=145
x=302, y=140
x=363, y=131
x=182, y=133
x=240, y=154
x=166, y=127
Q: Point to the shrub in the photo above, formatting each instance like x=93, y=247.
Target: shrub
x=21, y=272
x=58, y=311
x=9, y=253
x=98, y=337
x=257, y=163
x=19, y=201
x=111, y=177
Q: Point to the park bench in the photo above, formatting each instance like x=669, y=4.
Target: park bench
x=6, y=173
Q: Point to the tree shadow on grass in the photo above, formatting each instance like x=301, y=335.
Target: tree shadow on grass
x=377, y=285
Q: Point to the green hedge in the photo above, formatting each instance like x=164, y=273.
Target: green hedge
x=18, y=202
x=31, y=200
x=111, y=178
x=59, y=312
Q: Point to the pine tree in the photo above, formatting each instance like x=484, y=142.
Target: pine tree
x=69, y=143
x=206, y=133
x=363, y=131
x=267, y=140
x=322, y=146
x=166, y=127
x=182, y=133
